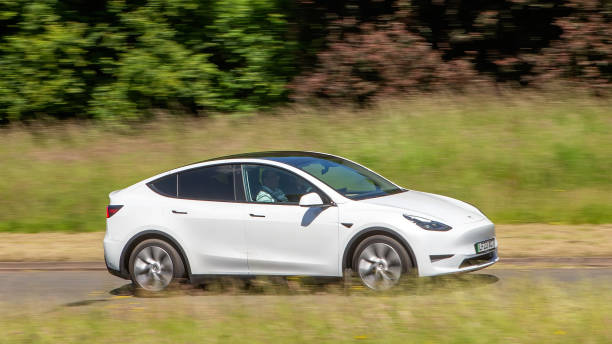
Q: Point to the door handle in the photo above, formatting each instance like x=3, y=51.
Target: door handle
x=179, y=212
x=255, y=215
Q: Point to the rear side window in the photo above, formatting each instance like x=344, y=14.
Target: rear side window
x=165, y=185
x=214, y=183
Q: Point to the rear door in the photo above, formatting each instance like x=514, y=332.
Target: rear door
x=210, y=212
x=282, y=237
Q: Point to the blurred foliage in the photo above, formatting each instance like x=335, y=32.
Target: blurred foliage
x=584, y=50
x=381, y=61
x=377, y=49
x=110, y=59
x=125, y=58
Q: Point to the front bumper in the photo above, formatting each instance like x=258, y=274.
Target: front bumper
x=455, y=252
x=462, y=263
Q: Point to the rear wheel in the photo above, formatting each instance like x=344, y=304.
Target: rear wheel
x=380, y=262
x=155, y=265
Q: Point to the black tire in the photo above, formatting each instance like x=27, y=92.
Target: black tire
x=376, y=240
x=178, y=267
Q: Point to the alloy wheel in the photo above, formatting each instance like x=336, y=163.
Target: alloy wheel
x=153, y=268
x=380, y=266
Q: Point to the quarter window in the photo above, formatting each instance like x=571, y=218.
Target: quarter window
x=214, y=183
x=165, y=185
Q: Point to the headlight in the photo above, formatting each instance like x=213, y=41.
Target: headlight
x=427, y=224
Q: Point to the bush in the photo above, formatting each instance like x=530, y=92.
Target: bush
x=582, y=53
x=379, y=62
x=43, y=65
x=114, y=59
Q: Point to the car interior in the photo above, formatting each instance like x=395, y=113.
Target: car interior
x=287, y=183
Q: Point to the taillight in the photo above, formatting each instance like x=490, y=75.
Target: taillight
x=112, y=210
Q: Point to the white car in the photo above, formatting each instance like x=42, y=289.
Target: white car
x=288, y=213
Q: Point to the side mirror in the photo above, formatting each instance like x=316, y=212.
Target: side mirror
x=311, y=200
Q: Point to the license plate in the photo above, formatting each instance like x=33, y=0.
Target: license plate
x=486, y=245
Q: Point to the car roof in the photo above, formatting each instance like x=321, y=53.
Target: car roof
x=269, y=155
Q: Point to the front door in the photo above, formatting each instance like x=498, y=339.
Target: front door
x=282, y=237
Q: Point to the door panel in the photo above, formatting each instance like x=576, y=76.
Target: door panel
x=282, y=237
x=292, y=240
x=210, y=212
x=214, y=234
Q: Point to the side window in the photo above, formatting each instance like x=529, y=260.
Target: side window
x=267, y=184
x=214, y=183
x=165, y=185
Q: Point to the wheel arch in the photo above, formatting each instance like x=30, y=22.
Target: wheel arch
x=368, y=232
x=145, y=235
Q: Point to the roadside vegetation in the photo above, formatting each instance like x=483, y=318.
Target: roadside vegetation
x=461, y=309
x=118, y=60
x=520, y=157
x=473, y=100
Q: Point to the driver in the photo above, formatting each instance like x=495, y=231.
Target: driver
x=270, y=192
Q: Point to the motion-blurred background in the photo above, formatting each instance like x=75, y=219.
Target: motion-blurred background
x=502, y=103
x=124, y=59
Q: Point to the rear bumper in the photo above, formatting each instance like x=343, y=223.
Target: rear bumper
x=112, y=257
x=118, y=273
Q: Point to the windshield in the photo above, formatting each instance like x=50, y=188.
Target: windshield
x=347, y=178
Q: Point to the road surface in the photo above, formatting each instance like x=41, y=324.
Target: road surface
x=47, y=289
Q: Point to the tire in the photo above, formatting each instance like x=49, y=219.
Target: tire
x=380, y=262
x=155, y=265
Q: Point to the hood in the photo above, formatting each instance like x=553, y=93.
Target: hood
x=435, y=207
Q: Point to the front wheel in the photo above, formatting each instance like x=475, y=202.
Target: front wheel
x=380, y=262
x=154, y=265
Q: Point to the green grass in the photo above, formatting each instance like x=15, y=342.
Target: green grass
x=446, y=311
x=521, y=158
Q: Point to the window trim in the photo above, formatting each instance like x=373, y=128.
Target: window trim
x=239, y=188
x=238, y=184
x=326, y=199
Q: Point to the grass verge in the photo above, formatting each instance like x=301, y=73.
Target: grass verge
x=438, y=311
x=527, y=240
x=521, y=158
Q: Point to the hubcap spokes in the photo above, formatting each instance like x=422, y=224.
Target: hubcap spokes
x=380, y=266
x=153, y=268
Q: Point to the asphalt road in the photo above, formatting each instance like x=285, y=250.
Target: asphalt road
x=47, y=289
